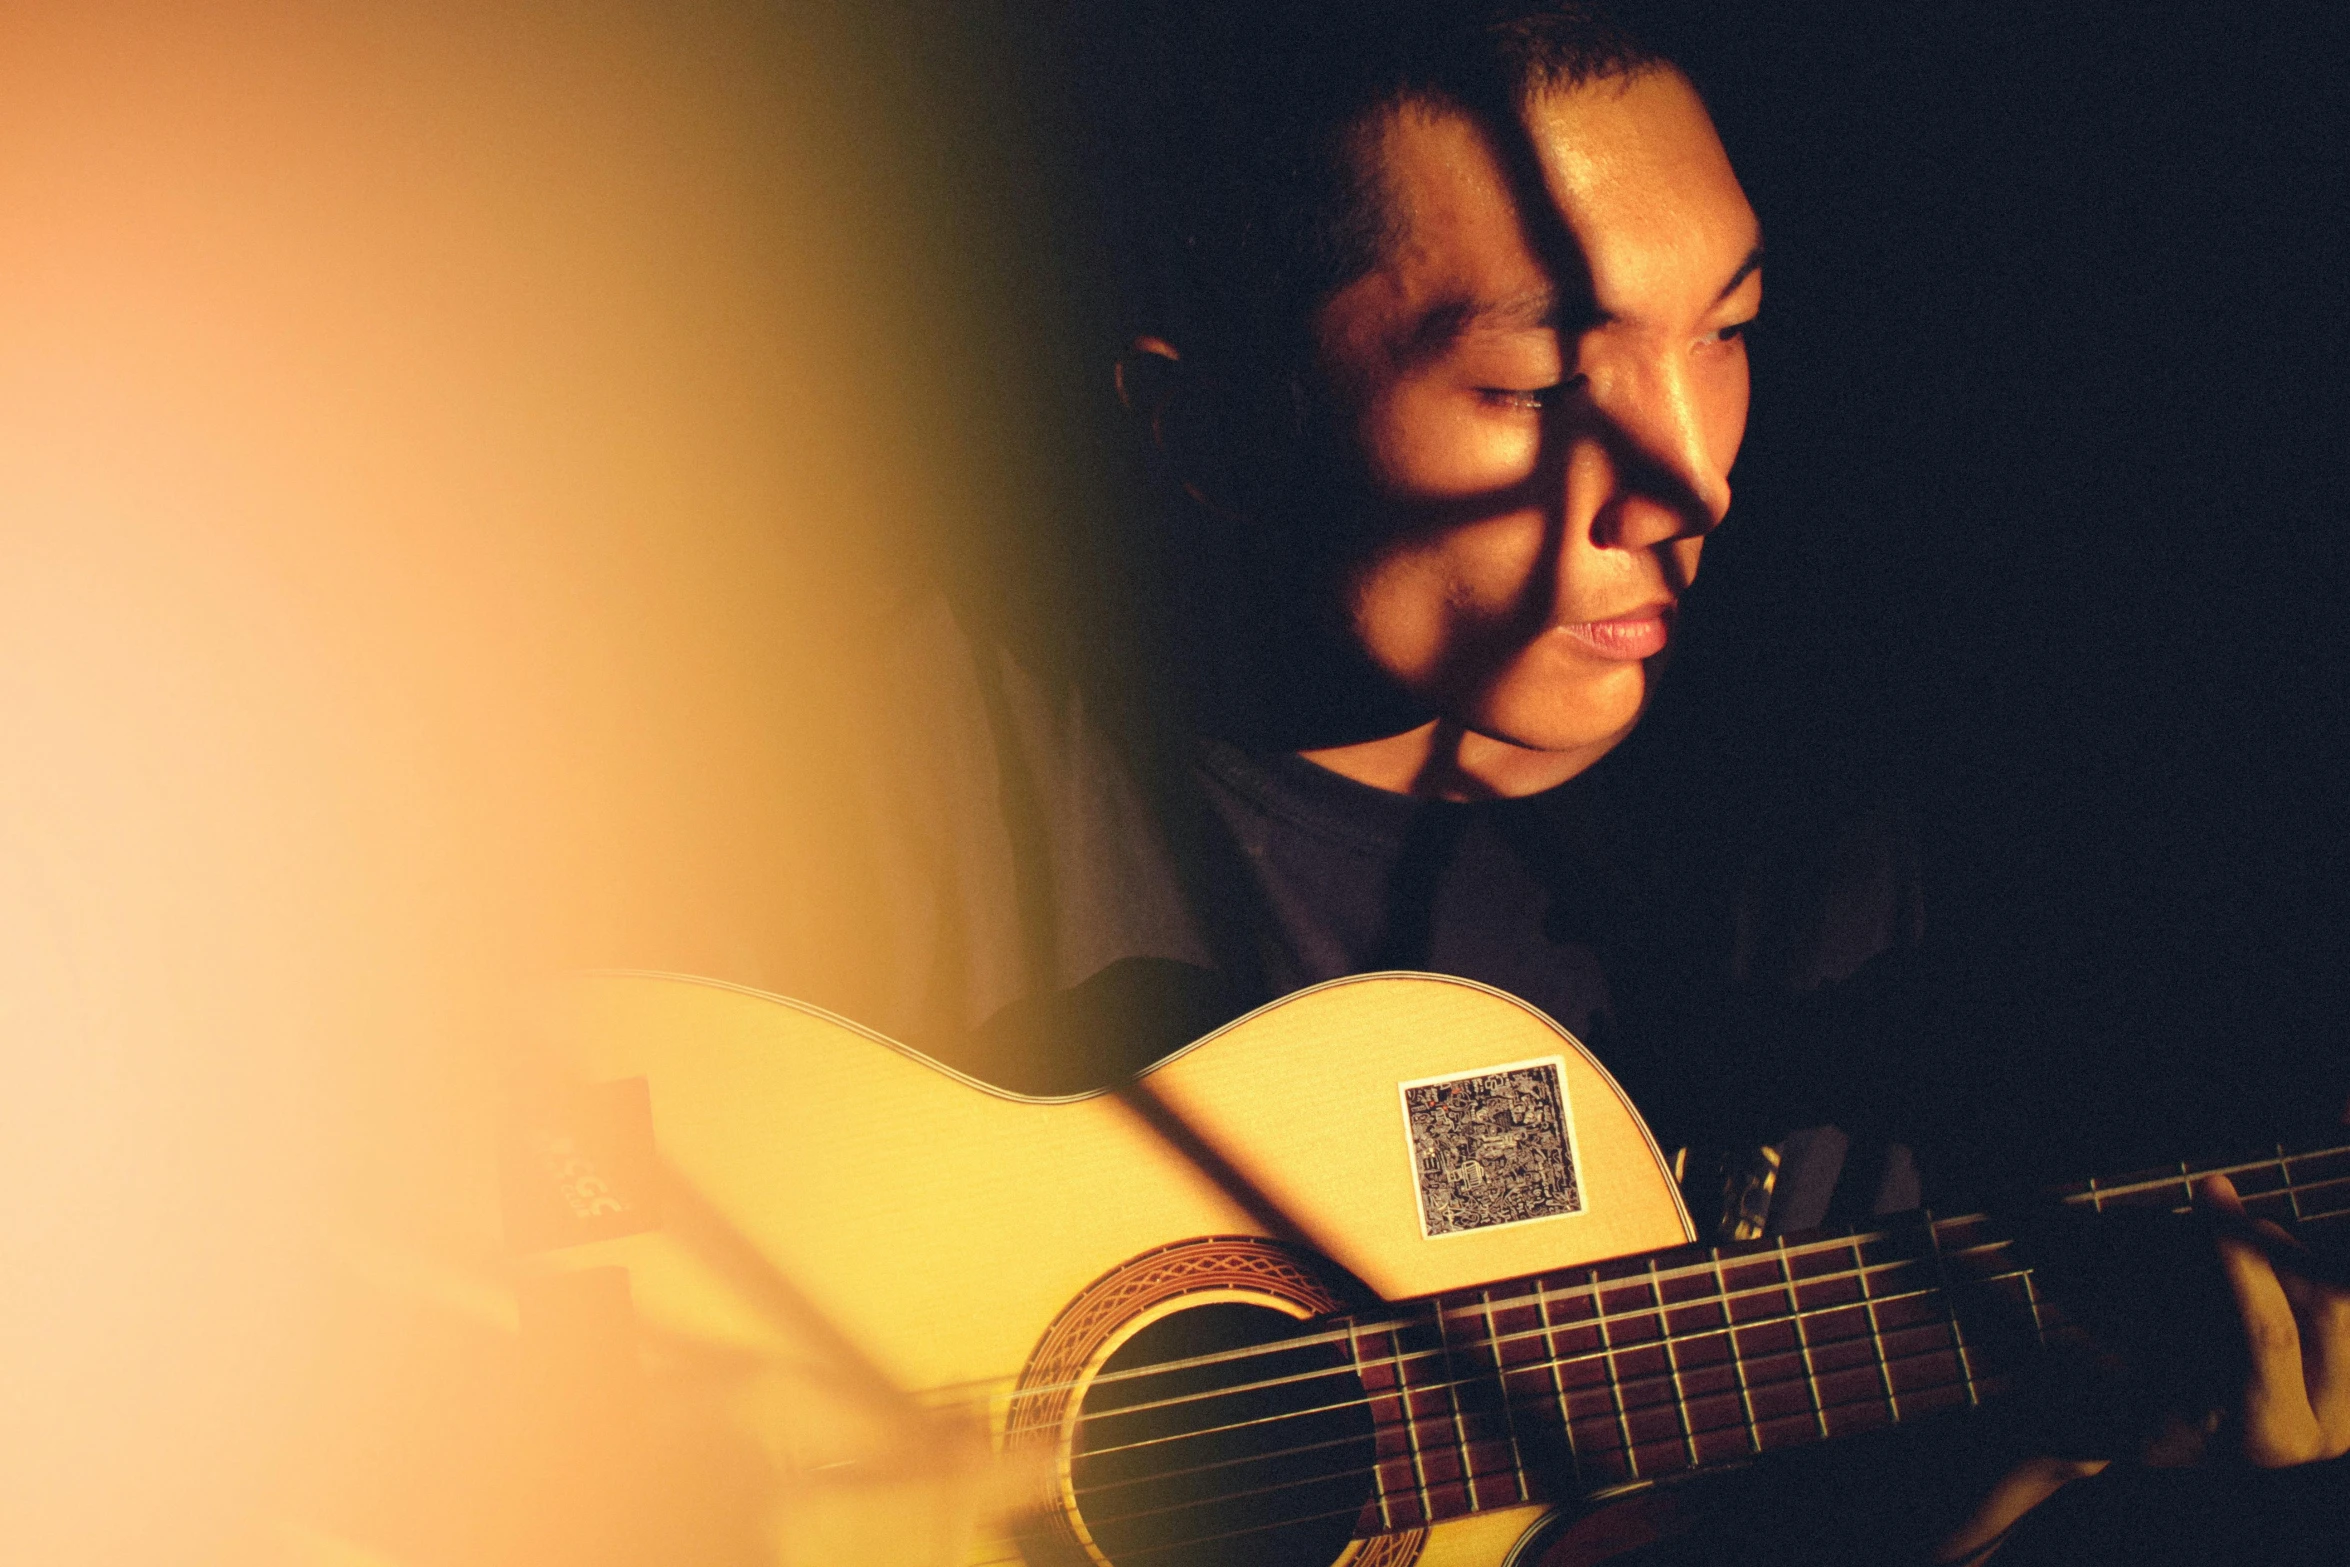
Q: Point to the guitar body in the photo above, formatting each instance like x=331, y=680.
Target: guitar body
x=987, y=1254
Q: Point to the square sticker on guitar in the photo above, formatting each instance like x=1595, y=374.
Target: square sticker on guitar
x=1492, y=1147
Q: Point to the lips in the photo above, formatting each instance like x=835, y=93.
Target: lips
x=1640, y=634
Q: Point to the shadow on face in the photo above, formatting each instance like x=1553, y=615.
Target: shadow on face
x=1540, y=389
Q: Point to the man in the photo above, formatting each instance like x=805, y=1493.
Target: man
x=1442, y=344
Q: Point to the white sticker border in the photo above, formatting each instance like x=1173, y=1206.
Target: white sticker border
x=1411, y=1154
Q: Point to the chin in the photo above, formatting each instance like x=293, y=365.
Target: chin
x=1594, y=712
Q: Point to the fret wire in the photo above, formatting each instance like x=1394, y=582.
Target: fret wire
x=1378, y=1470
x=1664, y=1331
x=1770, y=1289
x=1608, y=1370
x=1509, y=1419
x=1803, y=1342
x=1706, y=1265
x=1558, y=1381
x=2285, y=1174
x=1460, y=1429
x=1740, y=1294
x=1411, y=1440
x=1966, y=1366
x=1561, y=1361
x=1738, y=1362
x=2032, y=1299
x=2186, y=1185
x=1876, y=1336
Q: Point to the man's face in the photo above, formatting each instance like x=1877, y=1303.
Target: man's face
x=1546, y=387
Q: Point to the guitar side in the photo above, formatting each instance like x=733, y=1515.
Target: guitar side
x=943, y=1228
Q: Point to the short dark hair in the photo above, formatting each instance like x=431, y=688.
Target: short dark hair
x=1237, y=131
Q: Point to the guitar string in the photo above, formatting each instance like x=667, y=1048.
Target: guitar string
x=1569, y=1294
x=1602, y=1319
x=1131, y=1551
x=1686, y=1336
x=1671, y=1336
x=2149, y=1181
x=1470, y=1478
x=1725, y=1330
x=1766, y=1386
x=1558, y=1363
x=1576, y=1292
x=1587, y=1291
x=1881, y=1365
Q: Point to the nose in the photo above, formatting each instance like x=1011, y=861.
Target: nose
x=1664, y=466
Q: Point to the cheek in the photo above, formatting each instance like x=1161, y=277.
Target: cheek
x=1424, y=602
x=1725, y=414
x=1403, y=616
x=1439, y=444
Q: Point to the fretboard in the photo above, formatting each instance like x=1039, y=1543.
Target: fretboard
x=1569, y=1383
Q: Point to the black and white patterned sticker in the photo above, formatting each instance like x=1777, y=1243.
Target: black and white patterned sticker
x=1492, y=1147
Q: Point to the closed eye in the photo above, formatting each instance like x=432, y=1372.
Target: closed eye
x=1532, y=399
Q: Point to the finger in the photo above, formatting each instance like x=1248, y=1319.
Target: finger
x=2322, y=1313
x=2218, y=1194
x=2282, y=1238
x=2217, y=1191
x=2279, y=1427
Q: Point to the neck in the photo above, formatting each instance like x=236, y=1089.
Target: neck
x=1577, y=1382
x=1580, y=1381
x=1440, y=760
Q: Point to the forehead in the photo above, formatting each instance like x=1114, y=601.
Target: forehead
x=1611, y=200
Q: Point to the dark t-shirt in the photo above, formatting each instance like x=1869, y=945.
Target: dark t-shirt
x=1342, y=879
x=1081, y=901
x=1072, y=901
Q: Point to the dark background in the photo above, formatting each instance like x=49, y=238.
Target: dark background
x=2038, y=524
x=2040, y=527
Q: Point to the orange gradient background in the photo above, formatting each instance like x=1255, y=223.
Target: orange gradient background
x=452, y=461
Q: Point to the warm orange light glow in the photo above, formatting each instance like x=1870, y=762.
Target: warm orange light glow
x=448, y=456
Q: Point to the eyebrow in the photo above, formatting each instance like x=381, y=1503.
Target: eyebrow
x=1746, y=269
x=1447, y=322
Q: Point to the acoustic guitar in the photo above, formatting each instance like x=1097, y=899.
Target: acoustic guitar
x=1388, y=1272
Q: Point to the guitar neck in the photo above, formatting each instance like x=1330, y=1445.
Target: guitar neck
x=1568, y=1384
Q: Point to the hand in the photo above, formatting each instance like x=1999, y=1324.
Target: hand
x=2295, y=1407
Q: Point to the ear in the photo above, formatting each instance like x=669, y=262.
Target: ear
x=1148, y=377
x=1184, y=419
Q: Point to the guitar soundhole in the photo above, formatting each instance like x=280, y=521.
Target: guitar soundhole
x=1260, y=1455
